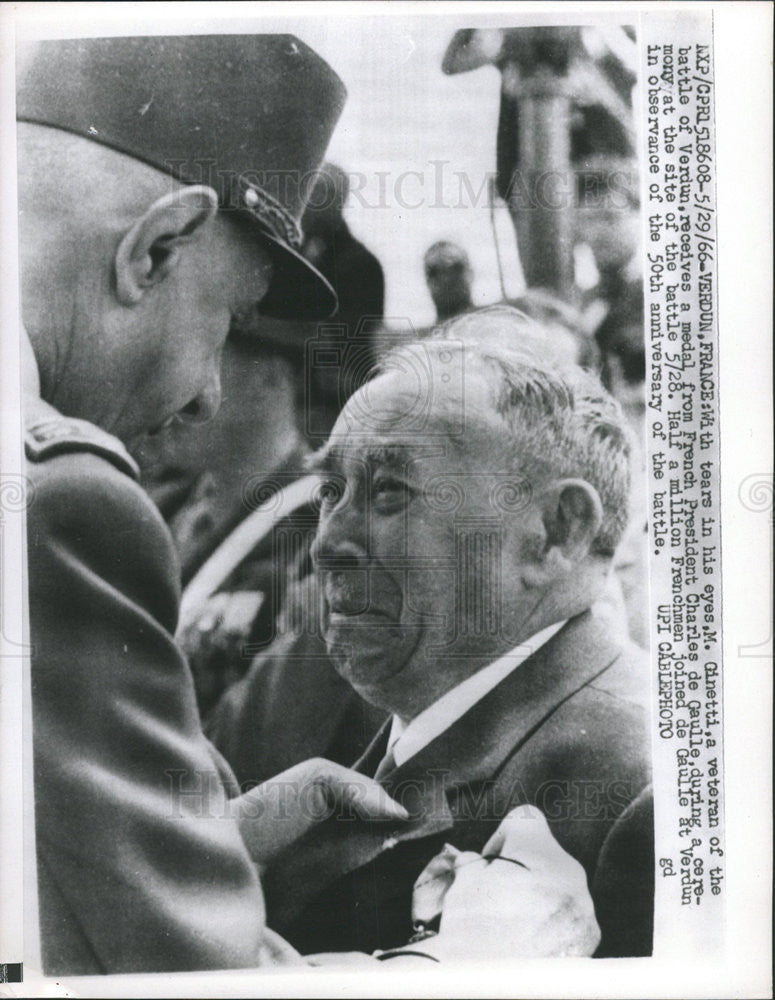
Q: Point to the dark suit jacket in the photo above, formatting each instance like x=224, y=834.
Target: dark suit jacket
x=567, y=732
x=132, y=875
x=290, y=706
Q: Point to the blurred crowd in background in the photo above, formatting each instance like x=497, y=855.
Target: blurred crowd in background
x=565, y=167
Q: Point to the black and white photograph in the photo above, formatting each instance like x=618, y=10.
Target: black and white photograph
x=369, y=621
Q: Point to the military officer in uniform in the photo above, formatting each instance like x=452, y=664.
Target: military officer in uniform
x=161, y=180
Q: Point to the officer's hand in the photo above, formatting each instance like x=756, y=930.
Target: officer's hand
x=523, y=897
x=273, y=815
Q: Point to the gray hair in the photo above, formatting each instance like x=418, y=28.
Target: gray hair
x=559, y=421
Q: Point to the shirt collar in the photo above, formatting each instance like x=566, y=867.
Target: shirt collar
x=407, y=739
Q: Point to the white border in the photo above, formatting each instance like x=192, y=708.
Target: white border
x=743, y=51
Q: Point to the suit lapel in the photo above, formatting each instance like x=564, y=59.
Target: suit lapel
x=472, y=749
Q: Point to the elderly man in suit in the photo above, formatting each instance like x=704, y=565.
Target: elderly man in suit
x=134, y=268
x=474, y=498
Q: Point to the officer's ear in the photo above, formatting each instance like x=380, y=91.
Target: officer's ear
x=571, y=513
x=150, y=250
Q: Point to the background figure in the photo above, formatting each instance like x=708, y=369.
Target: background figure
x=620, y=339
x=356, y=276
x=565, y=98
x=608, y=232
x=353, y=271
x=197, y=474
x=449, y=277
x=205, y=477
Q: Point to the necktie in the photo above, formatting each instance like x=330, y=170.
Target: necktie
x=386, y=765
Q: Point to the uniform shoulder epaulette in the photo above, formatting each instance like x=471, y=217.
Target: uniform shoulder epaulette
x=50, y=434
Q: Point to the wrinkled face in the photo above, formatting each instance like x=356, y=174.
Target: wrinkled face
x=170, y=365
x=418, y=539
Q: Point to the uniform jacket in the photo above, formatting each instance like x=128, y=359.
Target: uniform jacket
x=138, y=868
x=566, y=732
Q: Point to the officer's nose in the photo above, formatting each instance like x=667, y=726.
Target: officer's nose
x=205, y=404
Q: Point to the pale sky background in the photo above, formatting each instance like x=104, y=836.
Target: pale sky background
x=402, y=114
x=423, y=144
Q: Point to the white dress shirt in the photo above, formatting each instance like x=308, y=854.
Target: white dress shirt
x=407, y=740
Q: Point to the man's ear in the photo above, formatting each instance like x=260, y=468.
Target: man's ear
x=571, y=513
x=150, y=250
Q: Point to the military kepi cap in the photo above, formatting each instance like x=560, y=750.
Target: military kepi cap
x=249, y=115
